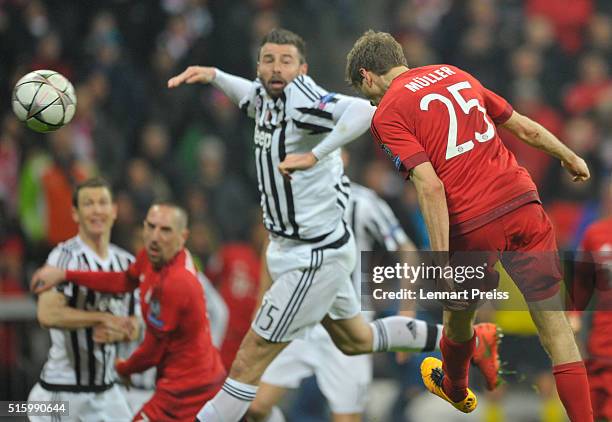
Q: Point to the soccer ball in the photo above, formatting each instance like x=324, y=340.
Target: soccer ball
x=44, y=100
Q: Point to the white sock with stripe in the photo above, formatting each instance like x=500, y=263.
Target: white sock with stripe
x=230, y=403
x=399, y=333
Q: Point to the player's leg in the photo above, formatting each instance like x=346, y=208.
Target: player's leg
x=343, y=380
x=296, y=301
x=285, y=372
x=355, y=336
x=558, y=340
x=263, y=408
x=110, y=406
x=534, y=265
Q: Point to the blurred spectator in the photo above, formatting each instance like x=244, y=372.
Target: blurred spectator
x=49, y=55
x=45, y=191
x=569, y=18
x=554, y=63
x=226, y=195
x=600, y=36
x=155, y=148
x=96, y=137
x=58, y=182
x=126, y=223
x=593, y=82
x=36, y=18
x=416, y=49
x=10, y=157
x=145, y=185
x=235, y=270
x=480, y=54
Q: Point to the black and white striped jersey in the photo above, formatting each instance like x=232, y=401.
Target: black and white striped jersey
x=311, y=205
x=75, y=362
x=373, y=222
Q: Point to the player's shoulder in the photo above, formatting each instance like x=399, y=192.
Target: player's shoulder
x=303, y=91
x=67, y=248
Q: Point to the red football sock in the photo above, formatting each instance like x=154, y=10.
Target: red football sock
x=456, y=364
x=573, y=389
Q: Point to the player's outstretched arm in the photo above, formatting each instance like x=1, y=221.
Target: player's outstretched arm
x=235, y=87
x=193, y=75
x=537, y=136
x=47, y=277
x=432, y=201
x=53, y=312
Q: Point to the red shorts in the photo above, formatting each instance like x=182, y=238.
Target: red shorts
x=600, y=381
x=525, y=243
x=165, y=406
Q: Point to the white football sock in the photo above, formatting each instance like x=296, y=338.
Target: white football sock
x=399, y=333
x=230, y=403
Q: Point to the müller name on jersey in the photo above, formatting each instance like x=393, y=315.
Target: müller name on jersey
x=429, y=79
x=421, y=294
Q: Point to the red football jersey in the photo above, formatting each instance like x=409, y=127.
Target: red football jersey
x=177, y=337
x=235, y=272
x=597, y=241
x=443, y=115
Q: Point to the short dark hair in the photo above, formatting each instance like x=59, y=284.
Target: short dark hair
x=93, y=182
x=183, y=216
x=377, y=52
x=284, y=36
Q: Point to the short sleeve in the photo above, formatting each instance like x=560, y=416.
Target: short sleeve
x=398, y=142
x=63, y=258
x=497, y=107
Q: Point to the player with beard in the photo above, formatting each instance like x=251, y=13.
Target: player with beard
x=311, y=254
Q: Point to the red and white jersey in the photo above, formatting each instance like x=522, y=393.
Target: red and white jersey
x=443, y=115
x=594, y=272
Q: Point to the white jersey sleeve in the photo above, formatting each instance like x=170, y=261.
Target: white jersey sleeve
x=235, y=87
x=62, y=256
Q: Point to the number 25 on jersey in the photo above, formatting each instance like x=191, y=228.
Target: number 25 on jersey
x=452, y=149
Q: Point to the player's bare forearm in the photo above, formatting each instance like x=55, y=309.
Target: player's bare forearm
x=53, y=312
x=537, y=136
x=432, y=201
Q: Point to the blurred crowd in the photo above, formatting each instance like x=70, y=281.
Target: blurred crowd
x=551, y=59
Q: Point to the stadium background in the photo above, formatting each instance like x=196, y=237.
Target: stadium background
x=550, y=58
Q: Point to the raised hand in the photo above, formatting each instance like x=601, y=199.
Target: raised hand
x=578, y=168
x=192, y=75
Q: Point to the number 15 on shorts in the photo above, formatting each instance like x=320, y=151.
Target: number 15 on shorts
x=265, y=316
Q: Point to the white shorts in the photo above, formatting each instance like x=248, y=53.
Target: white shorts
x=108, y=406
x=310, y=281
x=343, y=380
